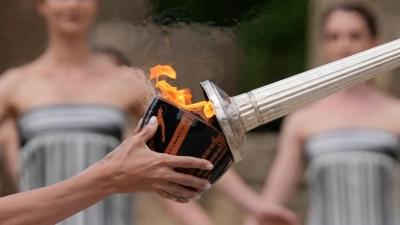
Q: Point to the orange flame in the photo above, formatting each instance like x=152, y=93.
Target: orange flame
x=182, y=98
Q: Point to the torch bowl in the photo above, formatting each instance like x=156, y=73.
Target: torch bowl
x=183, y=133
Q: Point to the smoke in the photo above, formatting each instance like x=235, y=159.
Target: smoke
x=197, y=52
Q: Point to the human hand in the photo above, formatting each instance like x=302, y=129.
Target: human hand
x=250, y=220
x=134, y=168
x=271, y=214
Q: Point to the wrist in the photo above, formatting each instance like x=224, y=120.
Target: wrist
x=252, y=204
x=103, y=177
x=256, y=206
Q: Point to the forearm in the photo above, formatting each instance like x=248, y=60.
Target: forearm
x=55, y=203
x=3, y=111
x=11, y=172
x=10, y=168
x=190, y=213
x=130, y=168
x=234, y=188
x=281, y=182
x=288, y=166
x=9, y=179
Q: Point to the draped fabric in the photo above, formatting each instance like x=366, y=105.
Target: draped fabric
x=352, y=178
x=61, y=142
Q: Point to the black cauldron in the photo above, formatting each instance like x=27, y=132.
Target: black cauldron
x=184, y=133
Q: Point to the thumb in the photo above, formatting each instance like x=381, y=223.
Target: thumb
x=137, y=129
x=149, y=130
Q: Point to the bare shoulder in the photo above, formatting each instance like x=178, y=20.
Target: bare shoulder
x=298, y=117
x=297, y=124
x=136, y=78
x=141, y=89
x=10, y=79
x=11, y=76
x=132, y=74
x=293, y=123
x=391, y=102
x=6, y=127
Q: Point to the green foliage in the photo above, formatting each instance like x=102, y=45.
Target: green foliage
x=216, y=12
x=274, y=43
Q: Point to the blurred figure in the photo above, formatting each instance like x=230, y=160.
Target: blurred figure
x=349, y=141
x=9, y=163
x=72, y=106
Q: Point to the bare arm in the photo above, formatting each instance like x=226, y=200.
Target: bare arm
x=4, y=105
x=284, y=175
x=230, y=185
x=8, y=83
x=59, y=201
x=144, y=91
x=288, y=165
x=233, y=187
x=189, y=214
x=130, y=168
x=9, y=144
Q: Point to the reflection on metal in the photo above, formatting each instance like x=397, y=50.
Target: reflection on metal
x=244, y=112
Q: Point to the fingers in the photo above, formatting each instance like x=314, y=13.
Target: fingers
x=188, y=162
x=250, y=221
x=149, y=130
x=280, y=215
x=190, y=180
x=178, y=190
x=166, y=195
x=137, y=129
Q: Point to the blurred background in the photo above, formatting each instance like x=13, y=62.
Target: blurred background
x=239, y=45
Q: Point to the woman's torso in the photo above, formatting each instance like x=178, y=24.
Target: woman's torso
x=352, y=177
x=60, y=141
x=39, y=85
x=373, y=111
x=351, y=147
x=74, y=118
x=68, y=122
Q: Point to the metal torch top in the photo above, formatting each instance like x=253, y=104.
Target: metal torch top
x=228, y=118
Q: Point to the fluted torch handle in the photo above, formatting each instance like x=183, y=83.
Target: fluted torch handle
x=272, y=101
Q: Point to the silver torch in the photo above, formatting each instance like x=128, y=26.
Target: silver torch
x=239, y=114
x=181, y=132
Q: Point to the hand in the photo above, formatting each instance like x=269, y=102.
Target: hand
x=271, y=214
x=250, y=220
x=134, y=167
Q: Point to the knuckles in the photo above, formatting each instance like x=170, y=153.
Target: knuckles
x=135, y=141
x=159, y=160
x=162, y=174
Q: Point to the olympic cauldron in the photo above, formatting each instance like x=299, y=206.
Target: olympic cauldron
x=221, y=140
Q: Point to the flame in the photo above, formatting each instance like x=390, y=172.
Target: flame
x=182, y=97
